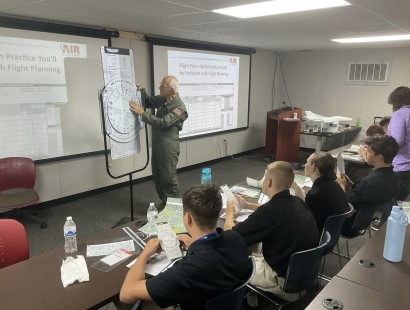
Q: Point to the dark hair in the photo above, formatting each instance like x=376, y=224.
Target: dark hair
x=325, y=163
x=399, y=97
x=385, y=121
x=384, y=145
x=375, y=130
x=204, y=203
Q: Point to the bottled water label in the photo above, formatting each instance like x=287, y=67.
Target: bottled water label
x=152, y=216
x=69, y=233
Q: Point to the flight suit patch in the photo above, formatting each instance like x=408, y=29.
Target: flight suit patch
x=177, y=111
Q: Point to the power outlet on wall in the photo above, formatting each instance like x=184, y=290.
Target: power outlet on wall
x=225, y=142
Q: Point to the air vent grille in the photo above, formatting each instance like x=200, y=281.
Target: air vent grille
x=364, y=72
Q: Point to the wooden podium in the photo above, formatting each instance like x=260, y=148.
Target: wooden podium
x=283, y=134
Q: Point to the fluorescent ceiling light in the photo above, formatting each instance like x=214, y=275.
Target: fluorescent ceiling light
x=374, y=39
x=278, y=7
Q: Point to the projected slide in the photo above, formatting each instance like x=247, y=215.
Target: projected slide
x=32, y=93
x=208, y=85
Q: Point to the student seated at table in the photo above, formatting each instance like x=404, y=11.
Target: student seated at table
x=380, y=185
x=325, y=198
x=375, y=130
x=357, y=171
x=284, y=225
x=384, y=122
x=216, y=262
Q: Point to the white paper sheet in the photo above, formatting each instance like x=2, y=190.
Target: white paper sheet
x=241, y=216
x=263, y=199
x=109, y=248
x=155, y=265
x=340, y=164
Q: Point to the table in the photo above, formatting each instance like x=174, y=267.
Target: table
x=352, y=133
x=390, y=278
x=385, y=286
x=36, y=283
x=354, y=296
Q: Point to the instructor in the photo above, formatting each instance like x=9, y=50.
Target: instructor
x=166, y=124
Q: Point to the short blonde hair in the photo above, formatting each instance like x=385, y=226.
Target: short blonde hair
x=282, y=174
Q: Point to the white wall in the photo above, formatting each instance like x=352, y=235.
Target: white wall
x=316, y=81
x=65, y=178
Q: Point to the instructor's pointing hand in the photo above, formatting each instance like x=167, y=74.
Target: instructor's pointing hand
x=136, y=108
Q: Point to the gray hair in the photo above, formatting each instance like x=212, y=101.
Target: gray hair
x=173, y=83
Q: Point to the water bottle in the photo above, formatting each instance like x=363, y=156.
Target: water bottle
x=70, y=236
x=152, y=216
x=395, y=232
x=206, y=176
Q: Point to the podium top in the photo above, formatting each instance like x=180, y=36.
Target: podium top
x=282, y=110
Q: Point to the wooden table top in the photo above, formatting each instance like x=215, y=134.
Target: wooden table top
x=355, y=297
x=36, y=283
x=386, y=277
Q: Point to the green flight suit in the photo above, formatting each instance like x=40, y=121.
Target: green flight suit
x=166, y=125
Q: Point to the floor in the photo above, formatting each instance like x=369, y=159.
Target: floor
x=102, y=211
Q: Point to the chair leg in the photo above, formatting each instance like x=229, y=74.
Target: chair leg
x=318, y=279
x=370, y=234
x=338, y=254
x=347, y=249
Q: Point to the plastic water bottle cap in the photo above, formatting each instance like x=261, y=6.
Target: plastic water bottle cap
x=151, y=204
x=206, y=170
x=69, y=218
x=396, y=208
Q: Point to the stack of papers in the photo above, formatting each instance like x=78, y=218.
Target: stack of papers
x=245, y=191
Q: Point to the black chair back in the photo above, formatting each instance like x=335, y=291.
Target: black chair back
x=303, y=267
x=232, y=300
x=364, y=217
x=333, y=226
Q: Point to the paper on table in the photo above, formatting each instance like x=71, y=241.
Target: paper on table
x=241, y=216
x=308, y=182
x=244, y=191
x=300, y=180
x=109, y=248
x=254, y=183
x=263, y=199
x=340, y=163
x=155, y=265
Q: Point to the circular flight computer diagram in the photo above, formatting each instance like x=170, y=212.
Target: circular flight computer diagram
x=123, y=121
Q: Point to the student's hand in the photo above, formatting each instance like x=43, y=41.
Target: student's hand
x=242, y=202
x=184, y=241
x=349, y=183
x=342, y=180
x=153, y=246
x=136, y=107
x=230, y=212
x=361, y=151
x=139, y=87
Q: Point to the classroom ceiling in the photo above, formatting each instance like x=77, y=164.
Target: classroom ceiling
x=194, y=20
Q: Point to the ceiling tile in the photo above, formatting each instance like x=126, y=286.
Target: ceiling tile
x=212, y=4
x=130, y=8
x=372, y=28
x=8, y=4
x=389, y=6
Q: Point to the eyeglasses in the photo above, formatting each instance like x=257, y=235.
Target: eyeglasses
x=163, y=85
